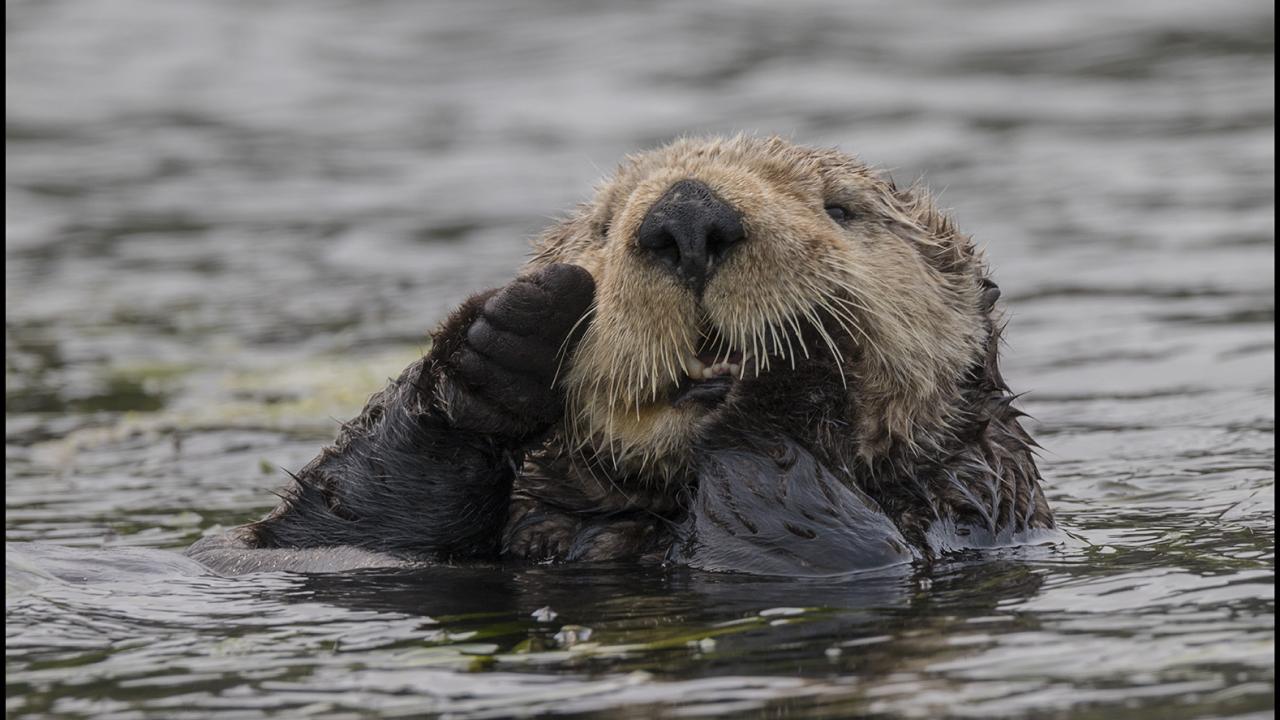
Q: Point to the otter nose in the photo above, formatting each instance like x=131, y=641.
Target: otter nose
x=690, y=231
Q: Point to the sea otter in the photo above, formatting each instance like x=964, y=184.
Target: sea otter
x=741, y=355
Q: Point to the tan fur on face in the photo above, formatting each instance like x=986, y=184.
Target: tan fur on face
x=898, y=283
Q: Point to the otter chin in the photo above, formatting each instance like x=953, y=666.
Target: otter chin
x=741, y=354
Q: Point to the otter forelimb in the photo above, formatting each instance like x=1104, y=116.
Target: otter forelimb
x=425, y=471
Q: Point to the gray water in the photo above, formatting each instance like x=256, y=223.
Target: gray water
x=228, y=222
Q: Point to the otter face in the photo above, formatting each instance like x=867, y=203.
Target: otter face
x=721, y=263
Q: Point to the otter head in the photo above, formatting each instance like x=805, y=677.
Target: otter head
x=729, y=269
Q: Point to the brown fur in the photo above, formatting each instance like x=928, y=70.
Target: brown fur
x=906, y=280
x=871, y=423
x=896, y=299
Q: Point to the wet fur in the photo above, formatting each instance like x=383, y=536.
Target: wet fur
x=401, y=478
x=882, y=336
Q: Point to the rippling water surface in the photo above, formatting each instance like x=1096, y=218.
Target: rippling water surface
x=228, y=222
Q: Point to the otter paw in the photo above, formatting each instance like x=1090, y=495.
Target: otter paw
x=540, y=536
x=506, y=365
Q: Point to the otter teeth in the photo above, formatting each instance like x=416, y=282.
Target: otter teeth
x=694, y=367
x=697, y=370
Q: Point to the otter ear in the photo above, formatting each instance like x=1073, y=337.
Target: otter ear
x=990, y=294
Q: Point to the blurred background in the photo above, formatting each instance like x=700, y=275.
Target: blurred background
x=227, y=223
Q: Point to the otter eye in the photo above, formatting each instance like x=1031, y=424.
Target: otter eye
x=837, y=213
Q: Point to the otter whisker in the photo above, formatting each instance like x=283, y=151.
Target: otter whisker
x=775, y=325
x=882, y=309
x=790, y=351
x=848, y=321
x=844, y=322
x=840, y=277
x=773, y=337
x=844, y=314
x=795, y=325
x=755, y=344
x=841, y=280
x=561, y=355
x=830, y=342
x=777, y=342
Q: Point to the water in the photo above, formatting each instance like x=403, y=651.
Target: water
x=228, y=222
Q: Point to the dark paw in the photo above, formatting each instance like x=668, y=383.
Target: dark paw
x=540, y=539
x=504, y=367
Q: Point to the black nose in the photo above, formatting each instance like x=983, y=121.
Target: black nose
x=690, y=230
